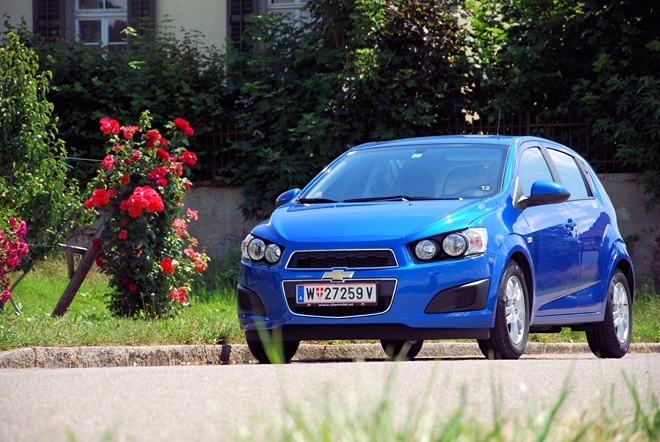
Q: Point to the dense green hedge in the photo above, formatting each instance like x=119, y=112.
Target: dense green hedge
x=364, y=70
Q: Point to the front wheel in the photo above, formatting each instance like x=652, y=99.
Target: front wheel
x=508, y=337
x=401, y=348
x=289, y=349
x=611, y=338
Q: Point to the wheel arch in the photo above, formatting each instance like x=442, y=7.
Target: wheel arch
x=626, y=267
x=519, y=258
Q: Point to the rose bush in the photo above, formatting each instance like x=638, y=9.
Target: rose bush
x=146, y=248
x=12, y=249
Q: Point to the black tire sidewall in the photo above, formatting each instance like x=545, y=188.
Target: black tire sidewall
x=501, y=331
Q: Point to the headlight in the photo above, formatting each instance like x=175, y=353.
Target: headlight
x=256, y=249
x=426, y=249
x=477, y=240
x=244, y=246
x=467, y=242
x=273, y=253
x=455, y=244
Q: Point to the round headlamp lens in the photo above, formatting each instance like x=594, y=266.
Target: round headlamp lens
x=273, y=253
x=426, y=249
x=256, y=249
x=454, y=244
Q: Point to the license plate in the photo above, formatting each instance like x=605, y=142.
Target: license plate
x=336, y=294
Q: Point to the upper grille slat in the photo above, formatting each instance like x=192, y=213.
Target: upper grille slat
x=356, y=259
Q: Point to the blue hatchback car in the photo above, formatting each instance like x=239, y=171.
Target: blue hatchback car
x=479, y=237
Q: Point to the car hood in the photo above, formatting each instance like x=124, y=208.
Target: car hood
x=345, y=222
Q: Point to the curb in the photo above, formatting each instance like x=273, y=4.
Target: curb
x=171, y=355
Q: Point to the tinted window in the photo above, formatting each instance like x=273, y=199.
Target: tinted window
x=570, y=174
x=532, y=168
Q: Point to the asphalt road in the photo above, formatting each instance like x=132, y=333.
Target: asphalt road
x=223, y=402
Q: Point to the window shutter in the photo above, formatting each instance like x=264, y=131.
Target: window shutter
x=49, y=19
x=239, y=10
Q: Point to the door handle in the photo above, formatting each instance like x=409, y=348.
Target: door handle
x=570, y=225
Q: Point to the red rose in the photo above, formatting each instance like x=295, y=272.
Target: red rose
x=99, y=260
x=142, y=198
x=181, y=124
x=136, y=155
x=109, y=126
x=167, y=265
x=189, y=157
x=132, y=287
x=100, y=198
x=96, y=243
x=123, y=234
x=154, y=137
x=162, y=154
x=108, y=162
x=161, y=182
x=189, y=131
x=129, y=131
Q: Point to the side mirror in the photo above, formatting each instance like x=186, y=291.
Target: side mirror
x=286, y=197
x=545, y=192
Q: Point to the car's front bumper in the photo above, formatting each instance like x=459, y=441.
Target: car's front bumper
x=442, y=300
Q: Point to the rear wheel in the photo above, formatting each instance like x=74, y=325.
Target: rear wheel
x=401, y=348
x=611, y=338
x=508, y=337
x=259, y=352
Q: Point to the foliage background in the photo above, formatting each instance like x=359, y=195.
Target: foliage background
x=365, y=70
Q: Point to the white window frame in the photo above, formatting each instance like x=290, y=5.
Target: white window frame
x=291, y=7
x=105, y=16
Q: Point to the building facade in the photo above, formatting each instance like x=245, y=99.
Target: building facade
x=100, y=22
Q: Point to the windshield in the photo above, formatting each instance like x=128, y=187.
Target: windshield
x=412, y=172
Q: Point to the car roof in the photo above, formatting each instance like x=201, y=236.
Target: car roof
x=502, y=140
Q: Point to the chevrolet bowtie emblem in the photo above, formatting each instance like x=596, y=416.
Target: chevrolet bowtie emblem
x=338, y=275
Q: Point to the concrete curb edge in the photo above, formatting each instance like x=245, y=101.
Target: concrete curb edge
x=171, y=355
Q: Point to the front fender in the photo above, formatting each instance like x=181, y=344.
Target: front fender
x=514, y=247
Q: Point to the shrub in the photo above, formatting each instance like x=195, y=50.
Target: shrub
x=146, y=249
x=34, y=185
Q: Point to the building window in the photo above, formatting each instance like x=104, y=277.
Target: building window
x=291, y=7
x=100, y=22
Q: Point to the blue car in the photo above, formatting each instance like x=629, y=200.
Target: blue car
x=450, y=237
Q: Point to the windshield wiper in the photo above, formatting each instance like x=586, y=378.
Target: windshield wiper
x=315, y=200
x=397, y=198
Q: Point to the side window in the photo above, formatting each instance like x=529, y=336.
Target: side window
x=532, y=168
x=570, y=174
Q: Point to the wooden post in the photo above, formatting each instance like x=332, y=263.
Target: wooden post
x=70, y=250
x=76, y=281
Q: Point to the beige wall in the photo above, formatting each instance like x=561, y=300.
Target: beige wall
x=16, y=9
x=207, y=16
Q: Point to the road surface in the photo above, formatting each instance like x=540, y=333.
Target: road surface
x=222, y=402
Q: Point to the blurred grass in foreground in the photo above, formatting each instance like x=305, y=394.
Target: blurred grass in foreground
x=383, y=418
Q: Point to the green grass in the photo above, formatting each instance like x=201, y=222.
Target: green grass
x=381, y=418
x=210, y=319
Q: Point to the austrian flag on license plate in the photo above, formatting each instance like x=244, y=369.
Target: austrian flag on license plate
x=336, y=294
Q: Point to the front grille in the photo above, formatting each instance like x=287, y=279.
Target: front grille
x=385, y=289
x=349, y=259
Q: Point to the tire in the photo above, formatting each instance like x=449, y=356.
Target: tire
x=259, y=352
x=401, y=349
x=508, y=337
x=611, y=338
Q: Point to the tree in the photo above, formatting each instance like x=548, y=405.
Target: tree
x=358, y=71
x=600, y=58
x=33, y=174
